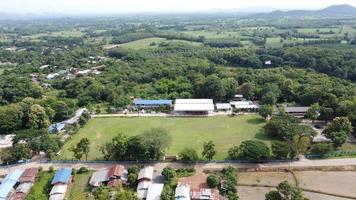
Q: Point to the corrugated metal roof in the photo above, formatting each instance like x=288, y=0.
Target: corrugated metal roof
x=15, y=175
x=142, y=189
x=222, y=106
x=56, y=197
x=98, y=177
x=62, y=176
x=29, y=175
x=182, y=191
x=296, y=109
x=152, y=102
x=6, y=188
x=146, y=172
x=194, y=107
x=116, y=170
x=194, y=101
x=154, y=191
x=58, y=189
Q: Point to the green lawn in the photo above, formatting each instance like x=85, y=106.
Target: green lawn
x=186, y=132
x=146, y=43
x=79, y=188
x=42, y=187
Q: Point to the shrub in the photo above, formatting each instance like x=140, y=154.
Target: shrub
x=321, y=148
x=82, y=170
x=212, y=181
x=188, y=154
x=169, y=173
x=185, y=172
x=51, y=169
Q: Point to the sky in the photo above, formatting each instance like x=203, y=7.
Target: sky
x=136, y=6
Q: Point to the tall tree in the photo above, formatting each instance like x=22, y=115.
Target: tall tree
x=209, y=150
x=38, y=118
x=338, y=130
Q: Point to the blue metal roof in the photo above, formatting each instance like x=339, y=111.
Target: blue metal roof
x=62, y=176
x=152, y=102
x=6, y=187
x=56, y=127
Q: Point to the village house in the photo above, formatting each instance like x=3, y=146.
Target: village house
x=60, y=182
x=182, y=192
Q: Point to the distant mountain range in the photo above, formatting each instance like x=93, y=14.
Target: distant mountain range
x=332, y=11
x=253, y=12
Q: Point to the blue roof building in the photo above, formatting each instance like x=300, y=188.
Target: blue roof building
x=152, y=103
x=62, y=176
x=8, y=184
x=55, y=128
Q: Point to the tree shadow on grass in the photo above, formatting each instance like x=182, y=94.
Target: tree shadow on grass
x=261, y=135
x=256, y=121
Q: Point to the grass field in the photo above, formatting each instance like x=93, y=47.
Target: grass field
x=186, y=132
x=146, y=43
x=41, y=188
x=79, y=188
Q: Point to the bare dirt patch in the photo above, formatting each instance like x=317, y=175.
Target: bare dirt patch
x=264, y=178
x=342, y=183
x=252, y=193
x=197, y=181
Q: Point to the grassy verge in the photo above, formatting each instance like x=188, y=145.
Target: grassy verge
x=42, y=187
x=79, y=189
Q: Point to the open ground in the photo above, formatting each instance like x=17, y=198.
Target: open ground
x=224, y=131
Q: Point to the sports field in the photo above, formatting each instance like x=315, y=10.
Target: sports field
x=224, y=131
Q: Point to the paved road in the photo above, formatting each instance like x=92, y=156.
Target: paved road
x=201, y=166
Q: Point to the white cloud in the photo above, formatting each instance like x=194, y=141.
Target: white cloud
x=120, y=6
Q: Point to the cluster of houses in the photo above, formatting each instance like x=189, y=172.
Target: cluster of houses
x=147, y=188
x=17, y=184
x=195, y=106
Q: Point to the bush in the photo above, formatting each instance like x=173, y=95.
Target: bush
x=51, y=169
x=254, y=150
x=212, y=181
x=321, y=148
x=169, y=173
x=82, y=170
x=185, y=172
x=188, y=154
